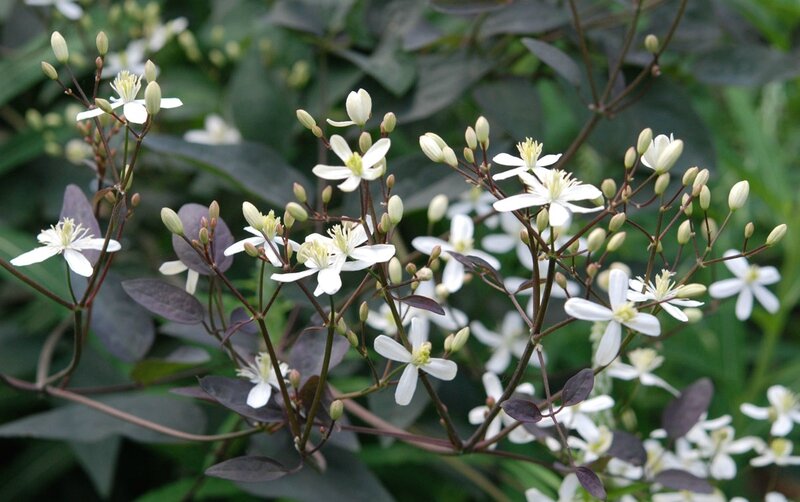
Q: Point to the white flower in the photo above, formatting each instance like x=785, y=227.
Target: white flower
x=784, y=409
x=67, y=238
x=216, y=132
x=321, y=259
x=643, y=362
x=749, y=281
x=418, y=359
x=261, y=373
x=528, y=160
x=621, y=313
x=384, y=321
x=460, y=241
x=558, y=190
x=359, y=108
x=133, y=59
x=664, y=291
x=494, y=391
x=177, y=267
x=779, y=452
x=566, y=493
x=348, y=238
x=687, y=496
x=127, y=85
x=159, y=34
x=662, y=153
x=269, y=224
x=595, y=443
x=512, y=339
x=577, y=415
x=715, y=441
x=475, y=201
x=356, y=167
x=69, y=8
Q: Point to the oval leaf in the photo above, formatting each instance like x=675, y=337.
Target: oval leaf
x=628, y=448
x=591, y=483
x=232, y=394
x=166, y=300
x=685, y=410
x=677, y=479
x=248, y=469
x=522, y=410
x=190, y=215
x=555, y=58
x=423, y=302
x=475, y=264
x=578, y=387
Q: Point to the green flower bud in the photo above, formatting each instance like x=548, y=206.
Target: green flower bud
x=609, y=188
x=616, y=241
x=662, y=183
x=738, y=195
x=316, y=131
x=101, y=41
x=294, y=378
x=616, y=222
x=104, y=105
x=150, y=71
x=252, y=216
x=305, y=119
x=395, y=270
x=352, y=338
x=776, y=235
x=684, y=232
x=542, y=219
x=326, y=195
x=749, y=229
x=709, y=229
x=694, y=314
x=204, y=237
x=213, y=210
x=59, y=46
x=700, y=181
x=49, y=71
x=630, y=158
x=363, y=311
x=424, y=274
x=687, y=204
x=449, y=157
x=395, y=209
x=171, y=221
x=651, y=44
x=431, y=147
x=336, y=410
x=448, y=342
x=297, y=211
x=482, y=131
x=364, y=141
x=437, y=208
x=299, y=193
x=251, y=250
x=385, y=224
x=152, y=98
x=469, y=155
x=689, y=176
x=471, y=138
x=690, y=290
x=705, y=197
x=595, y=240
x=435, y=253
x=645, y=138
x=669, y=156
x=460, y=339
x=524, y=236
x=389, y=123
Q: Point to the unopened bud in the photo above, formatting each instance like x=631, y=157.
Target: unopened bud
x=297, y=211
x=691, y=290
x=709, y=229
x=738, y=195
x=136, y=199
x=460, y=339
x=395, y=270
x=435, y=253
x=341, y=326
x=448, y=342
x=203, y=236
x=411, y=269
x=49, y=71
x=595, y=240
x=630, y=157
x=669, y=156
x=437, y=208
x=608, y=187
x=700, y=181
x=441, y=292
x=171, y=221
x=352, y=338
x=749, y=229
x=288, y=221
x=294, y=378
x=616, y=222
x=101, y=41
x=390, y=181
x=152, y=98
x=592, y=270
x=471, y=138
x=482, y=131
x=694, y=314
x=525, y=237
x=316, y=131
x=684, y=232
x=299, y=193
x=689, y=176
x=59, y=46
x=776, y=235
x=542, y=219
x=469, y=155
x=336, y=410
x=305, y=119
x=252, y=216
x=645, y=138
x=615, y=242
x=686, y=204
x=251, y=250
x=651, y=44
x=385, y=225
x=326, y=195
x=424, y=274
x=662, y=182
x=364, y=141
x=213, y=210
x=431, y=148
x=150, y=71
x=705, y=197
x=449, y=157
x=104, y=105
x=561, y=280
x=389, y=123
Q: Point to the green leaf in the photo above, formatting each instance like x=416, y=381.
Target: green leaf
x=26, y=146
x=99, y=460
x=389, y=65
x=211, y=489
x=512, y=104
x=525, y=17
x=22, y=70
x=749, y=65
x=556, y=59
x=467, y=7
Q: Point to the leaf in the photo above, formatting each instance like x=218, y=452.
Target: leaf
x=522, y=410
x=389, y=65
x=628, y=448
x=125, y=329
x=165, y=300
x=99, y=460
x=191, y=215
x=20, y=71
x=232, y=394
x=512, y=104
x=468, y=7
x=525, y=17
x=590, y=482
x=555, y=58
x=423, y=303
x=297, y=16
x=748, y=65
x=248, y=469
x=578, y=387
x=27, y=145
x=476, y=264
x=307, y=352
x=255, y=169
x=76, y=422
x=684, y=411
x=677, y=479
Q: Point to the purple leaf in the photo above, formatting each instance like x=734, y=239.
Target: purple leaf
x=190, y=215
x=677, y=479
x=232, y=394
x=684, y=411
x=124, y=328
x=307, y=351
x=166, y=300
x=477, y=265
x=423, y=303
x=590, y=482
x=522, y=410
x=248, y=469
x=77, y=207
x=578, y=387
x=628, y=448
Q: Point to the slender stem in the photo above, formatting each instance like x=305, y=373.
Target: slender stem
x=273, y=357
x=35, y=285
x=323, y=378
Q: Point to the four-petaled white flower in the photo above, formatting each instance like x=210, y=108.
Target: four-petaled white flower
x=595, y=443
x=622, y=312
x=475, y=200
x=566, y=492
x=216, y=132
x=419, y=358
x=356, y=167
x=69, y=8
x=348, y=239
x=494, y=391
x=715, y=441
x=664, y=291
x=176, y=267
x=749, y=281
x=268, y=238
x=512, y=339
x=127, y=85
x=643, y=362
x=555, y=188
x=779, y=452
x=261, y=373
x=67, y=238
x=460, y=241
x=783, y=410
x=321, y=259
x=359, y=108
x=528, y=160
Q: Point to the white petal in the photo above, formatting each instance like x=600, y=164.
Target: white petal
x=171, y=103
x=259, y=395
x=722, y=467
x=504, y=175
x=341, y=123
x=417, y=332
x=135, y=112
x=88, y=114
x=598, y=403
x=507, y=160
x=376, y=152
x=548, y=160
x=485, y=336
x=645, y=324
x=622, y=371
x=744, y=304
x=617, y=287
x=191, y=281
x=329, y=280
x=292, y=276
x=586, y=310
x=97, y=244
x=351, y=184
x=461, y=228
x=331, y=172
x=499, y=243
x=738, y=266
x=78, y=263
x=491, y=260
x=238, y=246
x=477, y=415
x=390, y=349
x=765, y=297
x=442, y=369
x=609, y=344
x=341, y=148
x=426, y=244
x=518, y=202
x=753, y=411
x=725, y=288
x=70, y=10
x=654, y=381
x=377, y=253
x=406, y=386
x=781, y=426
x=492, y=385
x=768, y=275
x=582, y=192
x=172, y=267
x=37, y=255
x=453, y=275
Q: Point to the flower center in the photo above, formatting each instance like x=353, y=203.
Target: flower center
x=602, y=442
x=270, y=225
x=421, y=355
x=644, y=359
x=463, y=245
x=781, y=447
x=68, y=231
x=342, y=238
x=752, y=274
x=625, y=312
x=315, y=252
x=127, y=85
x=663, y=285
x=558, y=182
x=787, y=402
x=355, y=164
x=264, y=366
x=529, y=152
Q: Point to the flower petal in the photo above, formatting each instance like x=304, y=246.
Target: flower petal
x=134, y=112
x=390, y=349
x=70, y=10
x=341, y=123
x=609, y=344
x=506, y=159
x=744, y=304
x=329, y=280
x=674, y=311
x=37, y=255
x=756, y=412
x=376, y=152
x=442, y=369
x=453, y=276
x=377, y=253
x=726, y=288
x=259, y=395
x=738, y=266
x=461, y=228
x=426, y=244
x=766, y=298
x=78, y=263
x=331, y=172
x=559, y=214
x=485, y=336
x=499, y=243
x=548, y=160
x=417, y=332
x=646, y=324
x=406, y=386
x=768, y=275
x=518, y=202
x=586, y=310
x=499, y=361
x=617, y=287
x=171, y=103
x=341, y=148
x=191, y=281
x=292, y=276
x=172, y=267
x=350, y=184
x=88, y=114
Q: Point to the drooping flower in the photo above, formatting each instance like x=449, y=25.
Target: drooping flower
x=622, y=312
x=69, y=8
x=127, y=85
x=177, y=267
x=356, y=167
x=216, y=132
x=262, y=374
x=783, y=410
x=643, y=362
x=558, y=190
x=419, y=358
x=70, y=239
x=512, y=339
x=749, y=281
x=664, y=291
x=494, y=391
x=528, y=160
x=779, y=452
x=460, y=241
x=359, y=108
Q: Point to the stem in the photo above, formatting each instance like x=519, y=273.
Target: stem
x=35, y=285
x=323, y=377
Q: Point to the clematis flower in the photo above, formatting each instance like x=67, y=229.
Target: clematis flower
x=643, y=362
x=261, y=373
x=359, y=108
x=512, y=339
x=662, y=153
x=779, y=452
x=348, y=240
x=69, y=8
x=749, y=281
x=719, y=445
x=558, y=190
x=566, y=492
x=70, y=239
x=216, y=132
x=419, y=358
x=127, y=85
x=384, y=321
x=475, y=201
x=621, y=313
x=356, y=167
x=783, y=410
x=320, y=259
x=461, y=241
x=494, y=391
x=178, y=267
x=664, y=291
x=269, y=232
x=595, y=441
x=528, y=160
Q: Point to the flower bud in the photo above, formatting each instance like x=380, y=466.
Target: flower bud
x=213, y=210
x=101, y=41
x=608, y=187
x=171, y=221
x=482, y=131
x=524, y=236
x=251, y=250
x=150, y=71
x=49, y=71
x=336, y=410
x=749, y=229
x=430, y=147
x=449, y=157
x=341, y=326
x=738, y=195
x=700, y=181
x=152, y=98
x=305, y=119
x=59, y=46
x=687, y=204
x=669, y=156
x=689, y=176
x=776, y=235
x=385, y=224
x=615, y=242
x=705, y=197
x=424, y=274
x=297, y=211
x=616, y=222
x=411, y=269
x=471, y=138
x=469, y=155
x=662, y=183
x=630, y=158
x=395, y=209
x=364, y=141
x=437, y=208
x=645, y=138
x=435, y=253
x=352, y=338
x=299, y=193
x=326, y=195
x=204, y=236
x=542, y=219
x=104, y=105
x=595, y=240
x=252, y=216
x=395, y=270
x=389, y=123
x=695, y=315
x=294, y=378
x=690, y=290
x=591, y=271
x=684, y=232
x=561, y=280
x=460, y=339
x=651, y=44
x=448, y=342
x=363, y=311
x=316, y=131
